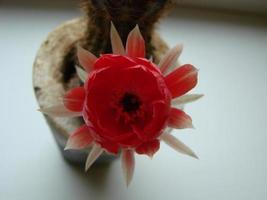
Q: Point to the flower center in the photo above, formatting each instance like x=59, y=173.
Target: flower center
x=130, y=103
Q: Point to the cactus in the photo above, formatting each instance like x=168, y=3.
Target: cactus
x=125, y=14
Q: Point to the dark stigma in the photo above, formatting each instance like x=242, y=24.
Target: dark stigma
x=130, y=102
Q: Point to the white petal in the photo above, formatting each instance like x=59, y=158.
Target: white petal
x=116, y=43
x=93, y=155
x=177, y=145
x=59, y=111
x=181, y=107
x=128, y=163
x=179, y=119
x=188, y=98
x=170, y=59
x=135, y=45
x=81, y=73
x=86, y=59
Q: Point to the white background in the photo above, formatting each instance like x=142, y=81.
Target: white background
x=230, y=136
x=254, y=6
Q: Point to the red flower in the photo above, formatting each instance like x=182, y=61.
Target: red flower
x=126, y=101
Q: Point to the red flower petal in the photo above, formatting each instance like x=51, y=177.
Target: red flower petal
x=130, y=142
x=160, y=115
x=80, y=139
x=112, y=60
x=110, y=147
x=148, y=148
x=74, y=99
x=101, y=95
x=147, y=64
x=135, y=46
x=181, y=80
x=115, y=77
x=179, y=119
